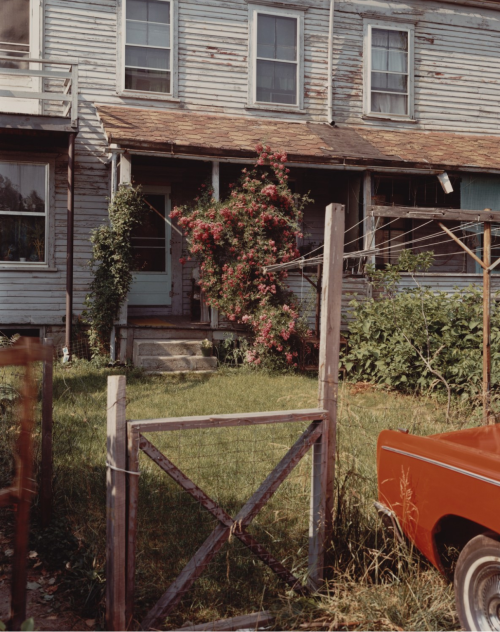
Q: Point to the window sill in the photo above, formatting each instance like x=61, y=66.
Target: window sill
x=150, y=96
x=272, y=108
x=28, y=267
x=387, y=117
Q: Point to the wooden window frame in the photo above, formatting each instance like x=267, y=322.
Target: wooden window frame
x=368, y=26
x=49, y=263
x=120, y=66
x=253, y=11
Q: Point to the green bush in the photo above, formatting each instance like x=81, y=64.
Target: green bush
x=417, y=339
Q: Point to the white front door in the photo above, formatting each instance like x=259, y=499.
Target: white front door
x=20, y=38
x=152, y=283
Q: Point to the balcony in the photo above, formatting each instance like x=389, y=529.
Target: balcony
x=38, y=94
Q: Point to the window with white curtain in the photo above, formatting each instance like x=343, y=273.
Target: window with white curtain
x=388, y=71
x=275, y=57
x=148, y=46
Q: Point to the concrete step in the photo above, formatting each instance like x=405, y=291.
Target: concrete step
x=167, y=348
x=180, y=363
x=174, y=333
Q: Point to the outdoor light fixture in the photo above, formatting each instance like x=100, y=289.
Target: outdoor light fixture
x=445, y=182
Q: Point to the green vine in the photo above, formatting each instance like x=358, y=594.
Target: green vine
x=112, y=264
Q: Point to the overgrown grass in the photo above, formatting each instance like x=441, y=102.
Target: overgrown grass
x=373, y=584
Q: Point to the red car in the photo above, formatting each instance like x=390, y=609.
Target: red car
x=444, y=491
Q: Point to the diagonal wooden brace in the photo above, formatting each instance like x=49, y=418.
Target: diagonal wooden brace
x=221, y=533
x=191, y=488
x=462, y=245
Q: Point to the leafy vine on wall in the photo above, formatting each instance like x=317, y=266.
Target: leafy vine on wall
x=112, y=265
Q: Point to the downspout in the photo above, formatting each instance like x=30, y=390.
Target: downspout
x=330, y=64
x=70, y=221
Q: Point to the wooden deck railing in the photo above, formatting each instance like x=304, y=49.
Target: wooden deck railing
x=68, y=95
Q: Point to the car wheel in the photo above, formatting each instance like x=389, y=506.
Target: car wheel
x=477, y=584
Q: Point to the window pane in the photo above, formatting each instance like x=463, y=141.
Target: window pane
x=148, y=11
x=286, y=39
x=14, y=31
x=148, y=34
x=380, y=38
x=159, y=12
x=22, y=187
x=266, y=36
x=15, y=21
x=276, y=37
x=276, y=82
x=388, y=82
x=22, y=238
x=389, y=103
x=395, y=61
x=147, y=80
x=147, y=57
x=398, y=40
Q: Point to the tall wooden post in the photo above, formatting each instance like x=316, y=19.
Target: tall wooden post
x=116, y=504
x=24, y=494
x=323, y=475
x=46, y=477
x=487, y=416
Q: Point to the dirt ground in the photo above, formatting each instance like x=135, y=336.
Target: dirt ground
x=46, y=604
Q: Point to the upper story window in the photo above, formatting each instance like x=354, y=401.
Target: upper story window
x=23, y=213
x=276, y=57
x=389, y=71
x=148, y=46
x=14, y=32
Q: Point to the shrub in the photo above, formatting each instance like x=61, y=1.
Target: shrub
x=112, y=264
x=234, y=240
x=417, y=339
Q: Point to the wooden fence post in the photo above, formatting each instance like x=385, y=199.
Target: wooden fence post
x=132, y=503
x=488, y=418
x=323, y=475
x=116, y=504
x=47, y=421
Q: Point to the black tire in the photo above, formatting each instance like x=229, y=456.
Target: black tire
x=477, y=584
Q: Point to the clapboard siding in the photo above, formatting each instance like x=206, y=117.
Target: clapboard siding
x=448, y=283
x=457, y=77
x=353, y=288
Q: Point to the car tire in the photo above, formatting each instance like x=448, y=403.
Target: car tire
x=477, y=584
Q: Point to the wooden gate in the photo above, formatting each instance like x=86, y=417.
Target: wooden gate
x=126, y=439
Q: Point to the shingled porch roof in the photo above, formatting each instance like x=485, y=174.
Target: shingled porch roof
x=192, y=133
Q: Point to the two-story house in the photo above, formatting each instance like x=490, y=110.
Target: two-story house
x=371, y=100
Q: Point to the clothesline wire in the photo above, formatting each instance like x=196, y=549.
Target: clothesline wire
x=414, y=241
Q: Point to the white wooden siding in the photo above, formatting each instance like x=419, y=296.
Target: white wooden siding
x=457, y=77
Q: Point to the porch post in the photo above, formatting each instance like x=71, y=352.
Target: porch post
x=214, y=312
x=70, y=222
x=118, y=342
x=369, y=222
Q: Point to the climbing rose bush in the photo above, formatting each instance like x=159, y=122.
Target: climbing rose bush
x=235, y=239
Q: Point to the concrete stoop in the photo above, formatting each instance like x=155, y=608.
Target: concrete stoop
x=171, y=356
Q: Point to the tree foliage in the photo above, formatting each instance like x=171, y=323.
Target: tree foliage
x=234, y=240
x=112, y=264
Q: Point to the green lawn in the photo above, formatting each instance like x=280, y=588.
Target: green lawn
x=373, y=585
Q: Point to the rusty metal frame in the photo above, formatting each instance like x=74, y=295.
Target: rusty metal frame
x=23, y=352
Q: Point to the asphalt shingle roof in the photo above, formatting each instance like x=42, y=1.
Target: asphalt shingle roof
x=221, y=135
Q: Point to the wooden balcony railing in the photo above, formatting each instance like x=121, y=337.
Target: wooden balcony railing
x=67, y=93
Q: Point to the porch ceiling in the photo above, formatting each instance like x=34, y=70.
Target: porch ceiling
x=191, y=133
